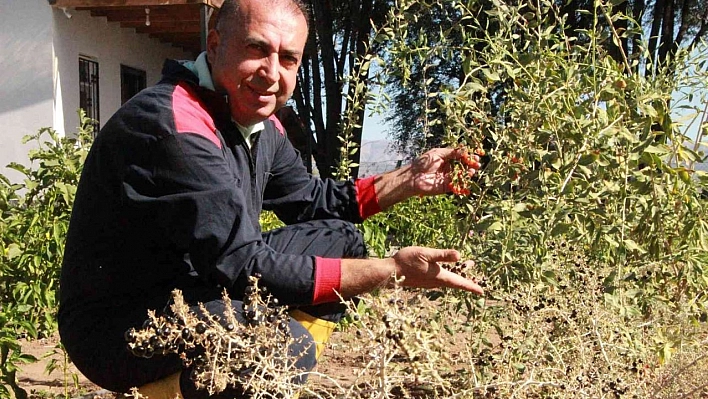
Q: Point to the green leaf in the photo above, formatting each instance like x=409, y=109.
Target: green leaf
x=26, y=358
x=633, y=246
x=13, y=251
x=587, y=159
x=648, y=110
x=657, y=149
x=475, y=87
x=560, y=229
x=550, y=278
x=466, y=65
x=449, y=330
x=496, y=226
x=490, y=75
x=520, y=207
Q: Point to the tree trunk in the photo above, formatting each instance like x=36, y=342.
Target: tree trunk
x=658, y=16
x=667, y=33
x=363, y=35
x=327, y=142
x=638, y=9
x=702, y=30
x=681, y=33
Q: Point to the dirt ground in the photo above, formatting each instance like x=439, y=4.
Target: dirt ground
x=34, y=379
x=339, y=365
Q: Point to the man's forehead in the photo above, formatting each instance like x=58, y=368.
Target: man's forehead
x=251, y=8
x=265, y=26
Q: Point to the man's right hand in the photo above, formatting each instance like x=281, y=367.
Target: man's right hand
x=421, y=267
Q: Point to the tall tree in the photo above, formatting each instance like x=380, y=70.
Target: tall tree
x=414, y=76
x=340, y=36
x=681, y=23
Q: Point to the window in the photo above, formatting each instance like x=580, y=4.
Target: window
x=131, y=82
x=88, y=90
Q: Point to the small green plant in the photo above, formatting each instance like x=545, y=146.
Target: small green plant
x=63, y=366
x=11, y=356
x=34, y=217
x=35, y=223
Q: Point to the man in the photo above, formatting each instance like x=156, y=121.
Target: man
x=173, y=187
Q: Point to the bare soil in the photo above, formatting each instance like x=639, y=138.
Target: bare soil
x=38, y=383
x=339, y=365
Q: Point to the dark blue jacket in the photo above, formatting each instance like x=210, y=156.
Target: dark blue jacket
x=170, y=197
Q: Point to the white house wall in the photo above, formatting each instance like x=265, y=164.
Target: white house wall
x=109, y=45
x=39, y=69
x=26, y=79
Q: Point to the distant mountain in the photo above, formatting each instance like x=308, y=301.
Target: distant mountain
x=378, y=151
x=378, y=156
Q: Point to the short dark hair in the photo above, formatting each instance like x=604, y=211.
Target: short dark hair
x=229, y=16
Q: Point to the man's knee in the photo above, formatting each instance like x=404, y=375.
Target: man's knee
x=355, y=246
x=328, y=237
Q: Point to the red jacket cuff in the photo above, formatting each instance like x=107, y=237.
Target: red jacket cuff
x=328, y=279
x=366, y=197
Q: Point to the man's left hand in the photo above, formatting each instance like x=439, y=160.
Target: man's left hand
x=431, y=171
x=429, y=174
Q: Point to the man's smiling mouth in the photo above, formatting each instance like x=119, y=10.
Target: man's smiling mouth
x=262, y=94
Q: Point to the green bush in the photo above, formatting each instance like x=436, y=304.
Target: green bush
x=587, y=221
x=34, y=220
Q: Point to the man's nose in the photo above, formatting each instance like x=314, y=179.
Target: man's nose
x=269, y=69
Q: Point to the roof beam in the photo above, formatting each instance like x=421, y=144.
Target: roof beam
x=162, y=27
x=157, y=14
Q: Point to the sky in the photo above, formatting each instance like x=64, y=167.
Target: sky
x=374, y=128
x=700, y=99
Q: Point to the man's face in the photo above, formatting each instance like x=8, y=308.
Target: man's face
x=256, y=65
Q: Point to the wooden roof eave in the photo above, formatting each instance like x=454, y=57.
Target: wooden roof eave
x=130, y=13
x=130, y=3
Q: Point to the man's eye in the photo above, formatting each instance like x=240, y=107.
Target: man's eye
x=289, y=60
x=256, y=48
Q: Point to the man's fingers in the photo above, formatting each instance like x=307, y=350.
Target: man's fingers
x=441, y=255
x=446, y=153
x=422, y=268
x=454, y=280
x=448, y=278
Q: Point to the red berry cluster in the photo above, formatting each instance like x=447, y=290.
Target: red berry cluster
x=461, y=170
x=458, y=184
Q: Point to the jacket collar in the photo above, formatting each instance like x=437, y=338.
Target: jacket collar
x=216, y=103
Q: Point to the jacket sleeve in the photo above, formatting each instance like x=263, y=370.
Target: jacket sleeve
x=297, y=196
x=192, y=201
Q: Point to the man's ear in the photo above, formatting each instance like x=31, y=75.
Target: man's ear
x=213, y=40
